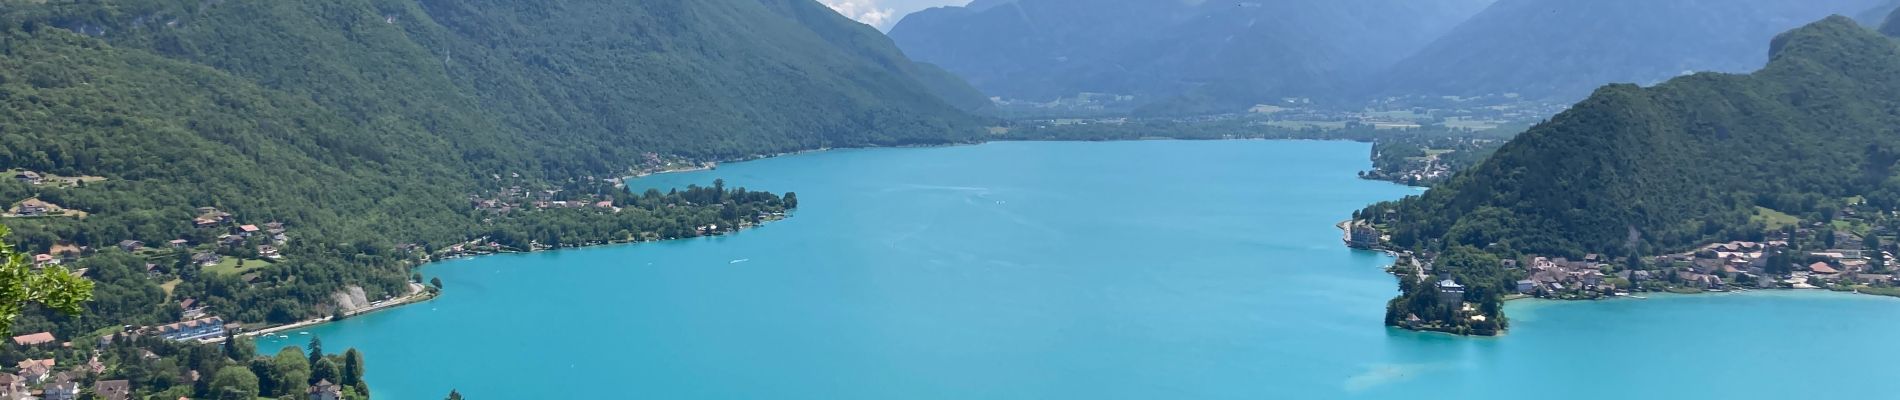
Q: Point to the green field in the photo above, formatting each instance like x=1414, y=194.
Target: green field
x=234, y=265
x=1774, y=219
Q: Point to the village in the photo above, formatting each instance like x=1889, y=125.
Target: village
x=1830, y=256
x=218, y=244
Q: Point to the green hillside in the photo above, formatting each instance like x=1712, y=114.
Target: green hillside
x=362, y=125
x=1642, y=171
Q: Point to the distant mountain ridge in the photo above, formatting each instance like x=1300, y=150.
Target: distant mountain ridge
x=1563, y=49
x=1190, y=54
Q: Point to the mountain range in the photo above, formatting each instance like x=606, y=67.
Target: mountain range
x=1634, y=172
x=366, y=125
x=1562, y=49
x=1194, y=54
x=1186, y=57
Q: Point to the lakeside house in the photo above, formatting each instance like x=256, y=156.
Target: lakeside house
x=202, y=328
x=324, y=390
x=1362, y=236
x=34, y=339
x=1823, y=268
x=1450, y=293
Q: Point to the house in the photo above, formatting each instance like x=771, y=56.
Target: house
x=268, y=251
x=246, y=230
x=206, y=259
x=1823, y=268
x=324, y=390
x=196, y=329
x=34, y=339
x=13, y=387
x=178, y=243
x=61, y=389
x=29, y=177
x=211, y=216
x=1363, y=236
x=41, y=260
x=1526, y=286
x=35, y=207
x=1874, y=279
x=113, y=390
x=1450, y=293
x=34, y=371
x=131, y=245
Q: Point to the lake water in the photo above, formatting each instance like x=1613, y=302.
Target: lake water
x=1127, y=270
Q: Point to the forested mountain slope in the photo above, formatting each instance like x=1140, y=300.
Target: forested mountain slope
x=1632, y=169
x=366, y=124
x=1640, y=171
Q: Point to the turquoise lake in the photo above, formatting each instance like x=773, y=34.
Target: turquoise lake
x=1121, y=270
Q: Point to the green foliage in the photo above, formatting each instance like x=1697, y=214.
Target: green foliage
x=366, y=124
x=1641, y=171
x=289, y=372
x=234, y=383
x=23, y=286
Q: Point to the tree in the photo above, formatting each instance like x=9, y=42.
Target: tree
x=316, y=350
x=454, y=395
x=289, y=372
x=52, y=287
x=238, y=348
x=436, y=282
x=1878, y=260
x=352, y=367
x=234, y=383
x=325, y=370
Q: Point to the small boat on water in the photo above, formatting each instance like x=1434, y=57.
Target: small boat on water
x=303, y=333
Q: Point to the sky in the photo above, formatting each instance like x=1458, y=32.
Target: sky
x=884, y=13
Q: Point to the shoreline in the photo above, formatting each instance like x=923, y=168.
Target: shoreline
x=414, y=297
x=418, y=293
x=1853, y=290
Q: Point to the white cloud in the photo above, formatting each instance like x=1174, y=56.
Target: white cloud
x=867, y=11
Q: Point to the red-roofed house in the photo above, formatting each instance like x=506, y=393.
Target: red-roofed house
x=1823, y=268
x=34, y=339
x=247, y=230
